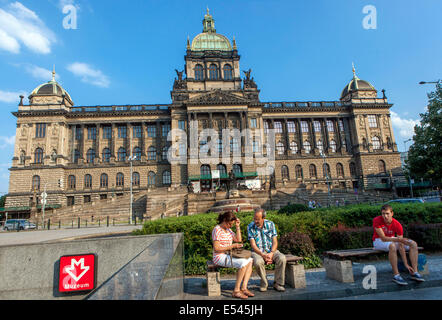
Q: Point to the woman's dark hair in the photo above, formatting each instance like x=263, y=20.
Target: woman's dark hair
x=226, y=216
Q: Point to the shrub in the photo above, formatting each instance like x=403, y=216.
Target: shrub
x=300, y=244
x=343, y=237
x=294, y=208
x=428, y=235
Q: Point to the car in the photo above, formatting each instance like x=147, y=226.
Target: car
x=21, y=224
x=407, y=200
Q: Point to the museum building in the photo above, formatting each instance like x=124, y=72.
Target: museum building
x=81, y=154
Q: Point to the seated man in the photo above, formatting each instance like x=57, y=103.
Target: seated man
x=264, y=243
x=385, y=228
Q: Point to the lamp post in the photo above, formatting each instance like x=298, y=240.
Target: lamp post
x=326, y=178
x=409, y=173
x=426, y=82
x=131, y=159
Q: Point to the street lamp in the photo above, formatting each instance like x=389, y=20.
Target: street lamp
x=131, y=159
x=326, y=178
x=425, y=82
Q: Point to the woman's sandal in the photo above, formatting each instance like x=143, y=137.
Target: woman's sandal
x=247, y=293
x=239, y=294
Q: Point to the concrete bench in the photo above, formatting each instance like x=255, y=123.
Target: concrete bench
x=338, y=265
x=294, y=275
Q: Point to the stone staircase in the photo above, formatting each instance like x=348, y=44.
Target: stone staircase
x=166, y=202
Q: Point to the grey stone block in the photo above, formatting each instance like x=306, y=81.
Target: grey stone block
x=295, y=275
x=213, y=284
x=341, y=271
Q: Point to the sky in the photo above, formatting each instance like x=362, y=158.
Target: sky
x=111, y=52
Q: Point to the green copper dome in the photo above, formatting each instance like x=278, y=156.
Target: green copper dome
x=209, y=39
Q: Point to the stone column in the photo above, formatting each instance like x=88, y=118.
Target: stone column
x=326, y=138
x=129, y=139
x=287, y=138
x=338, y=135
x=143, y=140
x=379, y=121
x=312, y=133
x=97, y=142
x=113, y=142
x=82, y=141
x=298, y=125
x=158, y=139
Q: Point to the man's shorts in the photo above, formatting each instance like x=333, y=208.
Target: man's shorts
x=225, y=261
x=378, y=244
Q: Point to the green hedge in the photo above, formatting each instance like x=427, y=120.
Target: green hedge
x=319, y=225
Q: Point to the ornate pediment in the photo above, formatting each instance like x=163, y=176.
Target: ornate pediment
x=217, y=97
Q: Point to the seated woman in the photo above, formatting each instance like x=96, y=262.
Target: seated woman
x=223, y=238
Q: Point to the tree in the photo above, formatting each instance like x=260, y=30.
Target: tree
x=425, y=154
x=2, y=201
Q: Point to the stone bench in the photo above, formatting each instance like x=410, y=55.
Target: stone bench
x=338, y=265
x=294, y=275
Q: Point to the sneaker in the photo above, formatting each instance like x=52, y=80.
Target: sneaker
x=399, y=280
x=279, y=288
x=417, y=277
x=263, y=289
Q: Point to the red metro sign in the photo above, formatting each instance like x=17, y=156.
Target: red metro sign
x=77, y=273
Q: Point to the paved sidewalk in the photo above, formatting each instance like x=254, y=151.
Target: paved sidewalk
x=38, y=236
x=319, y=286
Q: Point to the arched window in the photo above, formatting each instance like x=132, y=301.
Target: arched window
x=103, y=180
x=213, y=72
x=106, y=155
x=88, y=181
x=36, y=183
x=121, y=154
x=376, y=143
x=137, y=153
x=135, y=179
x=340, y=170
x=294, y=147
x=298, y=172
x=237, y=169
x=312, y=171
x=38, y=155
x=326, y=170
x=119, y=182
x=307, y=147
x=71, y=182
x=90, y=156
x=152, y=153
x=280, y=148
x=333, y=145
x=222, y=169
x=382, y=167
x=352, y=169
x=151, y=179
x=205, y=170
x=228, y=74
x=285, y=172
x=199, y=72
x=166, y=178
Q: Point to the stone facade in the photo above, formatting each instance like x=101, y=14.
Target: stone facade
x=79, y=154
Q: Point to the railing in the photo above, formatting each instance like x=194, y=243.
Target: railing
x=223, y=176
x=121, y=108
x=307, y=104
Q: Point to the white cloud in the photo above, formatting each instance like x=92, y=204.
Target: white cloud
x=10, y=97
x=22, y=26
x=88, y=74
x=405, y=127
x=38, y=72
x=7, y=141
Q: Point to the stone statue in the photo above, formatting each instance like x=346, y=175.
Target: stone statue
x=232, y=180
x=247, y=73
x=179, y=74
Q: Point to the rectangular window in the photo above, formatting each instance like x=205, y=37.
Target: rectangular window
x=92, y=133
x=103, y=196
x=71, y=201
x=341, y=125
x=87, y=199
x=40, y=130
x=122, y=132
x=151, y=131
x=291, y=127
x=330, y=127
x=107, y=132
x=266, y=127
x=137, y=131
x=304, y=126
x=165, y=129
x=278, y=127
x=78, y=133
x=317, y=126
x=372, y=122
x=253, y=123
x=181, y=125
